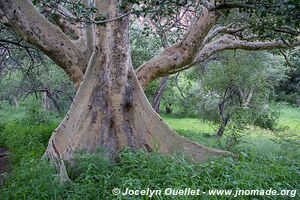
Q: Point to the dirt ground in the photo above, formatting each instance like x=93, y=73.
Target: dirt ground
x=3, y=163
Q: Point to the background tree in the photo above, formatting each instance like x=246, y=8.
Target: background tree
x=289, y=88
x=243, y=87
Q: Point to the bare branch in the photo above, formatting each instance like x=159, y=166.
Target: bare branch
x=15, y=43
x=224, y=29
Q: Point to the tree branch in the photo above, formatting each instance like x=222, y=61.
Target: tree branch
x=180, y=54
x=225, y=43
x=35, y=29
x=65, y=25
x=19, y=44
x=3, y=19
x=229, y=42
x=223, y=29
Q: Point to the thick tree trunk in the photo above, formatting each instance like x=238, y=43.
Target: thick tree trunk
x=159, y=93
x=110, y=109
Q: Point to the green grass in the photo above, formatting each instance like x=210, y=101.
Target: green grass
x=290, y=117
x=192, y=128
x=259, y=140
x=189, y=124
x=262, y=163
x=9, y=113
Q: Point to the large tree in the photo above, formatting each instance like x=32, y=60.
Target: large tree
x=110, y=109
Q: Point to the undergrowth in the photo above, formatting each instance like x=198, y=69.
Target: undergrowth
x=93, y=176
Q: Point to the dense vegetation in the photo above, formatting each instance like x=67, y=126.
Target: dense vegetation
x=243, y=102
x=264, y=135
x=265, y=159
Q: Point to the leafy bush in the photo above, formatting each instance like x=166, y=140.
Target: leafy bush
x=35, y=115
x=26, y=140
x=267, y=118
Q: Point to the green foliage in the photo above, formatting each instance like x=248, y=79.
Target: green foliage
x=144, y=47
x=35, y=115
x=267, y=118
x=94, y=176
x=32, y=179
x=289, y=116
x=269, y=19
x=240, y=82
x=9, y=85
x=34, y=81
x=28, y=136
x=236, y=129
x=137, y=170
x=290, y=142
x=289, y=89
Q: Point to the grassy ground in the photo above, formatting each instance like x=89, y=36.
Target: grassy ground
x=290, y=117
x=265, y=160
x=8, y=113
x=258, y=139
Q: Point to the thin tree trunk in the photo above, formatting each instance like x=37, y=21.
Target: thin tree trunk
x=164, y=80
x=16, y=102
x=224, y=120
x=45, y=101
x=221, y=130
x=249, y=97
x=159, y=93
x=222, y=127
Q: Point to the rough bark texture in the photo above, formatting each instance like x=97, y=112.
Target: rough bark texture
x=124, y=119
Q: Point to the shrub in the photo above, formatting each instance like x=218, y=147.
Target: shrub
x=267, y=118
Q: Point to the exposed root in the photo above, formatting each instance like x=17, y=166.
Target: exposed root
x=167, y=140
x=54, y=156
